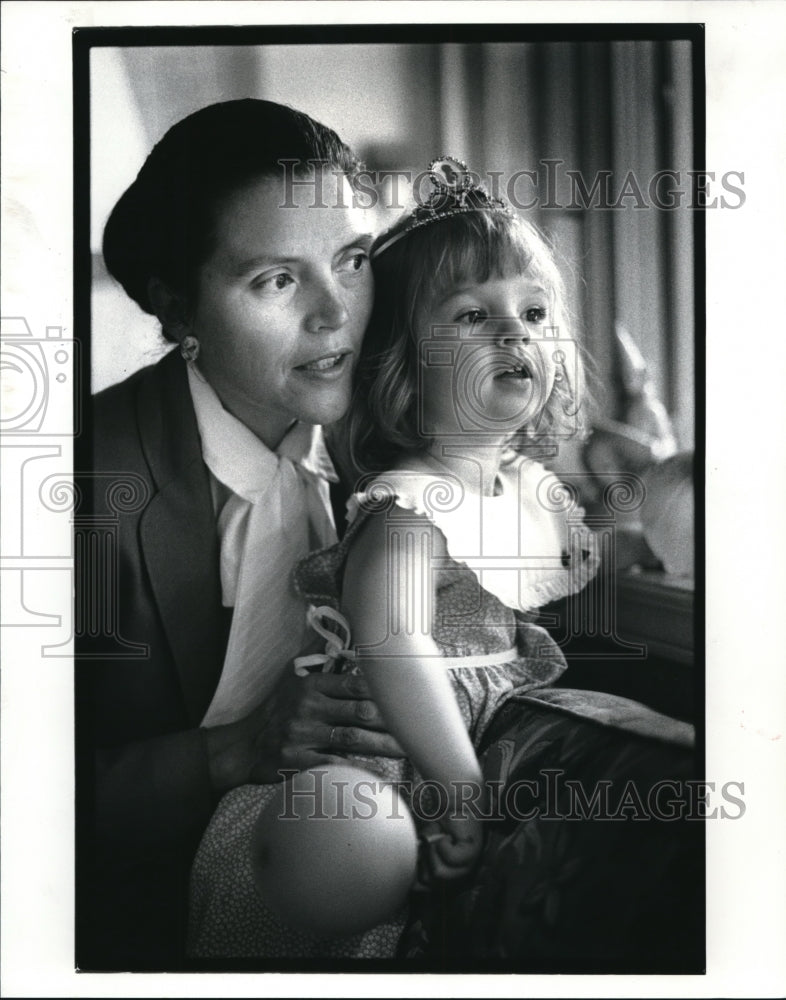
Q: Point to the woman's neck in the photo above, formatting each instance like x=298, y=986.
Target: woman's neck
x=476, y=467
x=269, y=426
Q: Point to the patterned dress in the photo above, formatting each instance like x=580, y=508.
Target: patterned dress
x=507, y=551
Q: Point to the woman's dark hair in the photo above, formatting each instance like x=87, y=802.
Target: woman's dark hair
x=163, y=225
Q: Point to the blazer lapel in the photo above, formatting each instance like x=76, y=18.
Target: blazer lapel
x=179, y=537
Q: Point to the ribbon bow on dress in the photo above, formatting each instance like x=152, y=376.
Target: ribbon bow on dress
x=337, y=644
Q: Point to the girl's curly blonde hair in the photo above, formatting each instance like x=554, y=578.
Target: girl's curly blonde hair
x=412, y=274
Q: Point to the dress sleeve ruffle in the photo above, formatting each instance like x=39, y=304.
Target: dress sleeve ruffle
x=408, y=491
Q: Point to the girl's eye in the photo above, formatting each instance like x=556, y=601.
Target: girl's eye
x=536, y=314
x=471, y=317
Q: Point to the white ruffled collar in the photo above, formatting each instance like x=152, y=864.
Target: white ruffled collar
x=518, y=546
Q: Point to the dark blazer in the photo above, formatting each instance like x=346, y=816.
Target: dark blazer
x=144, y=792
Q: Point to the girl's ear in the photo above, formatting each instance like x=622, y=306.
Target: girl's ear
x=170, y=308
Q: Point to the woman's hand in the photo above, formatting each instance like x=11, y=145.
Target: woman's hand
x=334, y=715
x=305, y=721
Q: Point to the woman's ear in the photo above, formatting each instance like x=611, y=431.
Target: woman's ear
x=170, y=308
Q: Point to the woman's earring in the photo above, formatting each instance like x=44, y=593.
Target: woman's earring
x=189, y=348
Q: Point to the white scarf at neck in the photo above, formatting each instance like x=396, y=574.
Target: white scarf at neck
x=278, y=510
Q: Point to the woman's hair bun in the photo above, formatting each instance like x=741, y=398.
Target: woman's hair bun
x=162, y=225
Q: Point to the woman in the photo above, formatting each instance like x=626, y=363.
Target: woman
x=240, y=235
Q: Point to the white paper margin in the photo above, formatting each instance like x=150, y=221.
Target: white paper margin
x=746, y=371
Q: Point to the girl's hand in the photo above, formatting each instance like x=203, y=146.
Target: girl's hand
x=452, y=846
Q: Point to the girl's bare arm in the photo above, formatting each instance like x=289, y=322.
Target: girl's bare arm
x=388, y=598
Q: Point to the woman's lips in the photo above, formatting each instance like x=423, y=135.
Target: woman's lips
x=326, y=364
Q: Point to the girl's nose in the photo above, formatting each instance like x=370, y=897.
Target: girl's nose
x=510, y=331
x=328, y=310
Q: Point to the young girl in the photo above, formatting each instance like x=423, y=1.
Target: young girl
x=467, y=369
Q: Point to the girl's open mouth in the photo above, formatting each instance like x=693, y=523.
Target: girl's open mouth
x=516, y=372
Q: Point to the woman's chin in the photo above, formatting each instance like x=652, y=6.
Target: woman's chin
x=324, y=407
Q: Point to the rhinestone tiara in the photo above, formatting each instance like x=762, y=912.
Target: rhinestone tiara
x=453, y=193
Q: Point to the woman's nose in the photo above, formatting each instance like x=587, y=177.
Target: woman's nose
x=509, y=331
x=328, y=309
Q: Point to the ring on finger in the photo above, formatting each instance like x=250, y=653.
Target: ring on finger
x=434, y=838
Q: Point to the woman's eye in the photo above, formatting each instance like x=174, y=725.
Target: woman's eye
x=471, y=317
x=275, y=282
x=536, y=314
x=356, y=262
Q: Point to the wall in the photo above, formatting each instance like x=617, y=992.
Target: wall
x=595, y=106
